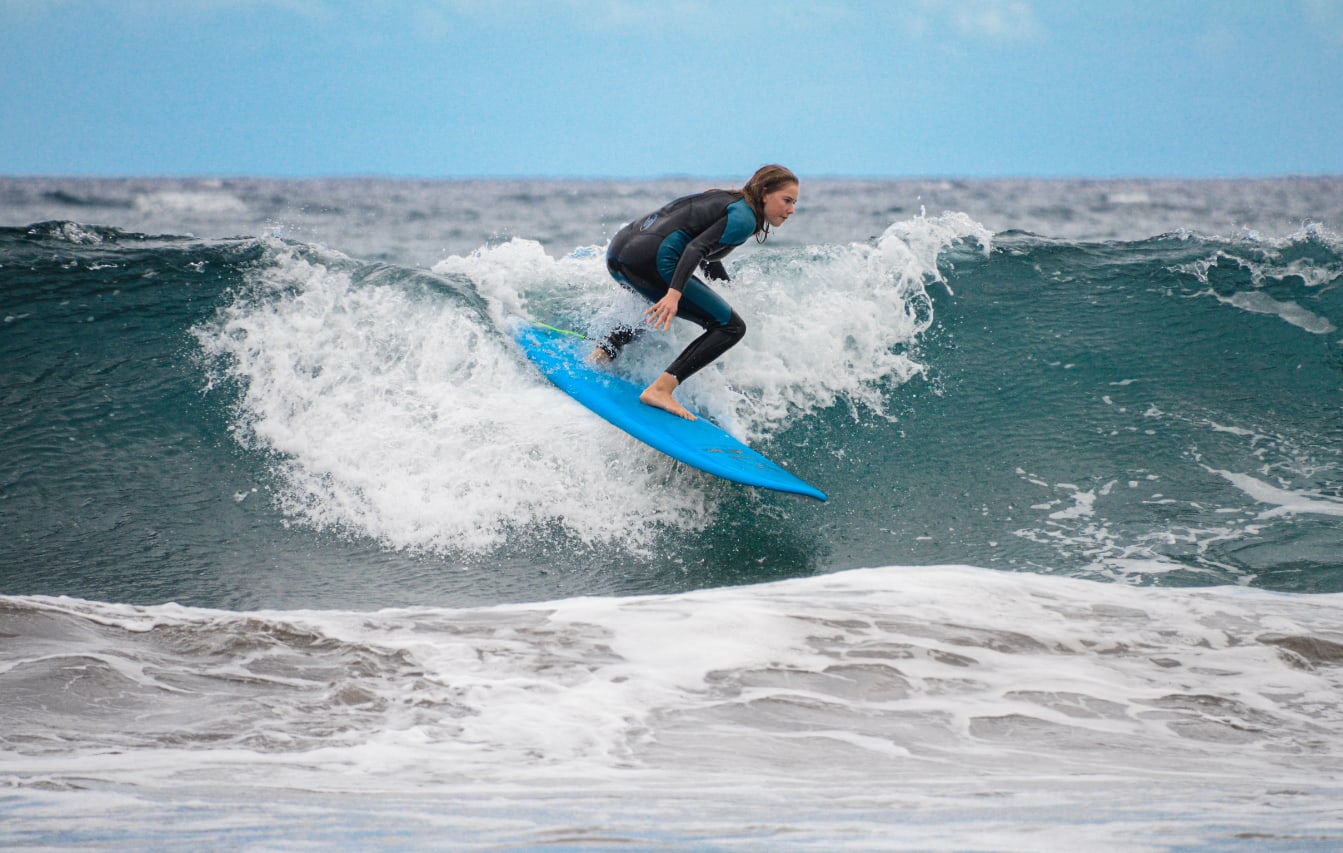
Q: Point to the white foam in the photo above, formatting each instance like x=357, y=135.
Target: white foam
x=1284, y=501
x=397, y=414
x=1262, y=259
x=78, y=234
x=825, y=323
x=1129, y=197
x=402, y=413
x=1257, y=302
x=204, y=202
x=906, y=689
x=1084, y=505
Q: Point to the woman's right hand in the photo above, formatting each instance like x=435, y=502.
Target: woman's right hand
x=663, y=311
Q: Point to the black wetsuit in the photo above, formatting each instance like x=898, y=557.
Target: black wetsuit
x=662, y=252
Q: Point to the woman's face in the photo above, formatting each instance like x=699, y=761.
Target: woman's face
x=779, y=204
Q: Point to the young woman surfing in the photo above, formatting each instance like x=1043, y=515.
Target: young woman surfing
x=657, y=256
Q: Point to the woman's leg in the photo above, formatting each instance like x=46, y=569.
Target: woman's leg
x=723, y=328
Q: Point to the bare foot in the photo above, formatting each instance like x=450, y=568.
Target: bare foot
x=659, y=396
x=667, y=403
x=599, y=357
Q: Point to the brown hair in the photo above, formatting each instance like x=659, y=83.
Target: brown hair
x=767, y=179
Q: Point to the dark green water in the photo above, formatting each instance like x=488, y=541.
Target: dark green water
x=1164, y=411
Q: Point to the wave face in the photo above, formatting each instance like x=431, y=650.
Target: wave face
x=1160, y=411
x=283, y=502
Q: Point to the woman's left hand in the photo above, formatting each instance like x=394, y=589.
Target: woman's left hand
x=663, y=311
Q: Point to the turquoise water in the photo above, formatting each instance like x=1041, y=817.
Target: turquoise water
x=1082, y=446
x=181, y=411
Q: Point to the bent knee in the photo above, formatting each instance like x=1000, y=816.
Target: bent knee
x=735, y=327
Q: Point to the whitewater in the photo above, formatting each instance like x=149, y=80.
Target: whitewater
x=299, y=551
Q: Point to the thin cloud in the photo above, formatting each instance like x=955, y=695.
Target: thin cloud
x=1001, y=21
x=1326, y=18
x=997, y=20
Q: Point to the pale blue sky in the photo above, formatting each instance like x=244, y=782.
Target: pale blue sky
x=626, y=88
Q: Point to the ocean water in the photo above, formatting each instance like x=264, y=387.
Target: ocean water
x=300, y=553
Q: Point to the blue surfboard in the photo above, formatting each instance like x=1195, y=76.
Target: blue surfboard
x=562, y=355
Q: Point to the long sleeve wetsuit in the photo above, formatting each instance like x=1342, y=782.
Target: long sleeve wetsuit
x=662, y=252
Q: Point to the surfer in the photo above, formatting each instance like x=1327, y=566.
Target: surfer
x=658, y=255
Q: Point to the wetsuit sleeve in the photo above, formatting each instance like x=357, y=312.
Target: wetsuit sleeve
x=729, y=230
x=694, y=253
